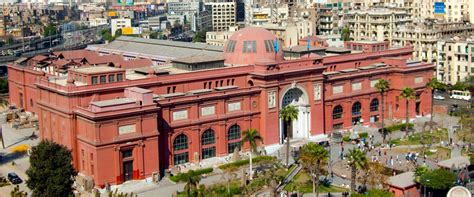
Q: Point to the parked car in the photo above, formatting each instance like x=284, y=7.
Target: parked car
x=14, y=178
x=439, y=97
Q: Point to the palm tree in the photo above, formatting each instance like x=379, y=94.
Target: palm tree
x=433, y=84
x=407, y=93
x=252, y=137
x=314, y=158
x=192, y=182
x=288, y=114
x=382, y=86
x=357, y=160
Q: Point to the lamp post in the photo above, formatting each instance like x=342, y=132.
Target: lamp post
x=424, y=191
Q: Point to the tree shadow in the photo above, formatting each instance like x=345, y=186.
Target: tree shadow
x=8, y=158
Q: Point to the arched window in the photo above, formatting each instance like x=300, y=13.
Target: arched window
x=374, y=105
x=208, y=139
x=233, y=137
x=180, y=146
x=337, y=112
x=234, y=132
x=356, y=107
x=180, y=142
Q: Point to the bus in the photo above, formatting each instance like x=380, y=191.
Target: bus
x=463, y=95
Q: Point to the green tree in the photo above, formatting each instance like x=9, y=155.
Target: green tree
x=154, y=35
x=346, y=34
x=3, y=86
x=459, y=86
x=200, y=36
x=374, y=193
x=420, y=171
x=10, y=40
x=383, y=86
x=252, y=137
x=314, y=159
x=106, y=35
x=288, y=114
x=434, y=85
x=50, y=30
x=438, y=179
x=118, y=33
x=192, y=182
x=407, y=93
x=51, y=172
x=357, y=160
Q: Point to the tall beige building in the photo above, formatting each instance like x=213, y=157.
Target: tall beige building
x=455, y=10
x=456, y=59
x=377, y=24
x=424, y=36
x=223, y=14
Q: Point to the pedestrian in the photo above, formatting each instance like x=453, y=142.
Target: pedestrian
x=391, y=161
x=380, y=152
x=385, y=152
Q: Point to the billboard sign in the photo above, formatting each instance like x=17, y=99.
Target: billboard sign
x=125, y=2
x=439, y=8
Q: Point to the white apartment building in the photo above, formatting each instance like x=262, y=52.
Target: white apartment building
x=97, y=22
x=455, y=60
x=424, y=36
x=377, y=24
x=119, y=23
x=219, y=38
x=454, y=10
x=223, y=14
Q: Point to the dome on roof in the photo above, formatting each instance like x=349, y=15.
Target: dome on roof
x=250, y=45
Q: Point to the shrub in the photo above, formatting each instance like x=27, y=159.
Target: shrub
x=398, y=127
x=182, y=176
x=346, y=139
x=363, y=135
x=240, y=163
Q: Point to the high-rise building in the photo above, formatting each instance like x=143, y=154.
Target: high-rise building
x=223, y=14
x=455, y=60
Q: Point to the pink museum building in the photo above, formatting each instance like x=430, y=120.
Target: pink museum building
x=128, y=117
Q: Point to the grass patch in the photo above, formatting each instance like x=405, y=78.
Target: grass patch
x=423, y=138
x=180, y=177
x=240, y=163
x=361, y=135
x=219, y=190
x=398, y=127
x=302, y=182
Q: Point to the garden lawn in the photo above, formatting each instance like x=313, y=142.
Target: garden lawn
x=303, y=182
x=425, y=137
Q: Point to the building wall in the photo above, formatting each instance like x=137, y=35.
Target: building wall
x=21, y=88
x=455, y=61
x=408, y=192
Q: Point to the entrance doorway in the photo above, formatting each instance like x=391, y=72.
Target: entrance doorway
x=299, y=127
x=127, y=170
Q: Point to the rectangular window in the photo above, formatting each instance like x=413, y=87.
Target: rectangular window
x=209, y=110
x=119, y=77
x=337, y=89
x=373, y=82
x=356, y=86
x=103, y=79
x=127, y=153
x=472, y=49
x=235, y=106
x=181, y=158
x=419, y=80
x=180, y=115
x=232, y=146
x=472, y=58
x=95, y=80
x=127, y=129
x=111, y=78
x=337, y=126
x=208, y=152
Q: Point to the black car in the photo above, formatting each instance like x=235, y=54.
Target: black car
x=14, y=178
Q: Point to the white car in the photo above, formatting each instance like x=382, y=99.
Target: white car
x=439, y=97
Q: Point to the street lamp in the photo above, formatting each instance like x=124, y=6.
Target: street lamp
x=424, y=191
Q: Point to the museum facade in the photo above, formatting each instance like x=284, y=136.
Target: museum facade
x=124, y=121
